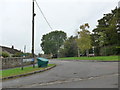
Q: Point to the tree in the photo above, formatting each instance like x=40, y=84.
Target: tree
x=70, y=48
x=107, y=28
x=106, y=33
x=52, y=41
x=95, y=43
x=84, y=40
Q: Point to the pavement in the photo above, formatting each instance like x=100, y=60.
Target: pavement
x=70, y=74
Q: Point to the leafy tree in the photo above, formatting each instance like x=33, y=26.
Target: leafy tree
x=70, y=48
x=106, y=34
x=95, y=43
x=52, y=41
x=84, y=40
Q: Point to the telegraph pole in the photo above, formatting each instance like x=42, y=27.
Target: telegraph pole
x=33, y=15
x=24, y=48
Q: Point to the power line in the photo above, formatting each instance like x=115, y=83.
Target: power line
x=43, y=15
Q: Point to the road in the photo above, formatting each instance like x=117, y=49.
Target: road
x=71, y=74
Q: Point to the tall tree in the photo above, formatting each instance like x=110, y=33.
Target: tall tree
x=84, y=40
x=69, y=48
x=52, y=41
x=106, y=33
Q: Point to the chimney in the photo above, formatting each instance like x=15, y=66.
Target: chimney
x=12, y=47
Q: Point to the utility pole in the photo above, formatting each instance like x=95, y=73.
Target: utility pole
x=33, y=15
x=24, y=48
x=78, y=50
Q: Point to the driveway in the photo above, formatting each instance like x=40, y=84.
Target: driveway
x=71, y=74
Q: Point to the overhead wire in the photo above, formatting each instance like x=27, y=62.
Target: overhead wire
x=43, y=15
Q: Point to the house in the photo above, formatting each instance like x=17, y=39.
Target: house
x=11, y=51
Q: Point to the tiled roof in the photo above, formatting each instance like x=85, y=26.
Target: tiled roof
x=10, y=50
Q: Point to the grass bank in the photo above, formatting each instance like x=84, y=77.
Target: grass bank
x=101, y=58
x=18, y=71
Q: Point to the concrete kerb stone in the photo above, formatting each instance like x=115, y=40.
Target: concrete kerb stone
x=10, y=77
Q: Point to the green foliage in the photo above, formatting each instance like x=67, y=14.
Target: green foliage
x=109, y=50
x=4, y=54
x=52, y=41
x=106, y=34
x=70, y=48
x=62, y=52
x=18, y=54
x=84, y=42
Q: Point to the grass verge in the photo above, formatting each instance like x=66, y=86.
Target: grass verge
x=18, y=71
x=99, y=58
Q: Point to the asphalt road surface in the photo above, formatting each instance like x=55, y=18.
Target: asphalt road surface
x=70, y=74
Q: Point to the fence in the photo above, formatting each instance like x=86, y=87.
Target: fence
x=14, y=62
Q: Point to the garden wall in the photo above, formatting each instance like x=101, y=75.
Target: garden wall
x=13, y=62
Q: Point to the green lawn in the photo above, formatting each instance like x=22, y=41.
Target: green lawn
x=103, y=58
x=18, y=71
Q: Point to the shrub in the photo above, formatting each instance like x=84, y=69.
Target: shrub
x=19, y=54
x=4, y=54
x=109, y=50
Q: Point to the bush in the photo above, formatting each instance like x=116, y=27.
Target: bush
x=109, y=50
x=97, y=51
x=4, y=54
x=19, y=54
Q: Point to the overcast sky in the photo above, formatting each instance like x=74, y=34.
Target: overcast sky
x=66, y=15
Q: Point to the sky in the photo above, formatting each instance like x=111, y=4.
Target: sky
x=65, y=15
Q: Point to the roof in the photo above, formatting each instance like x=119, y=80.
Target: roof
x=10, y=50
